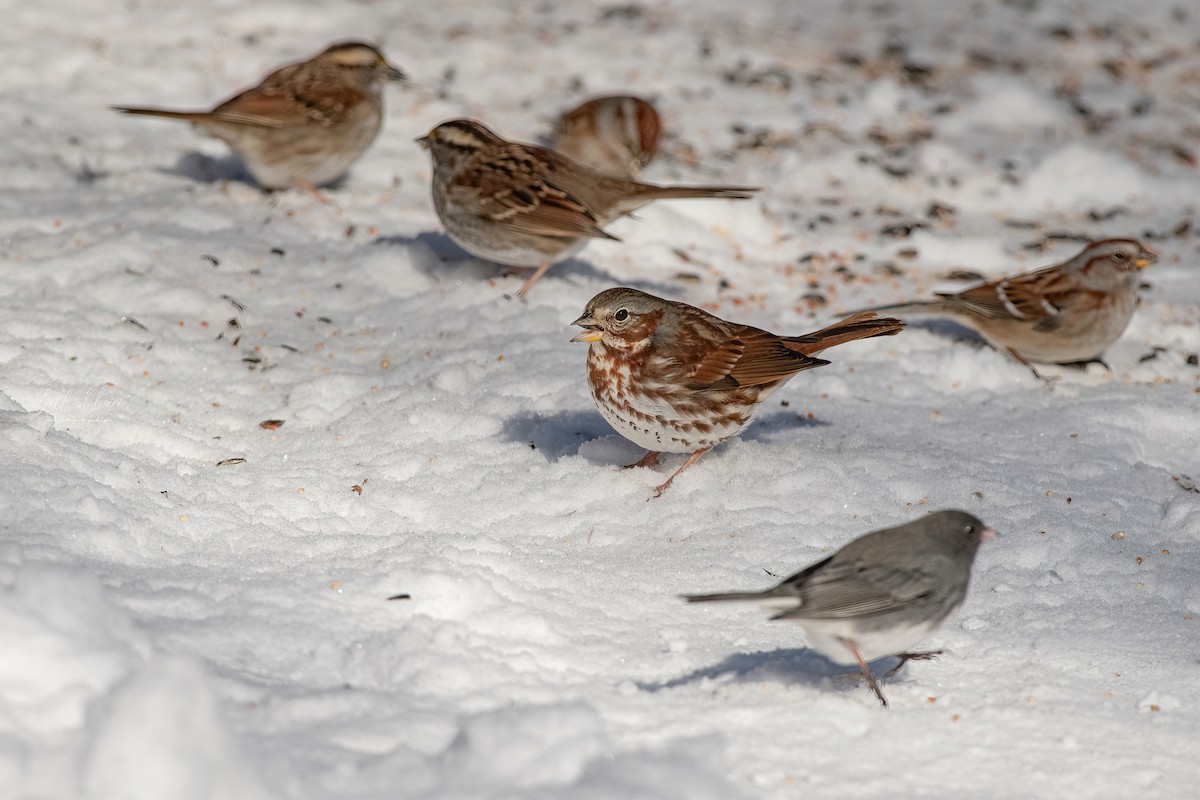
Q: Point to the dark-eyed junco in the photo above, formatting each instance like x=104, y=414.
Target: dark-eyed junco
x=882, y=593
x=1068, y=312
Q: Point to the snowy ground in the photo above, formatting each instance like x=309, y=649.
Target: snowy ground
x=174, y=628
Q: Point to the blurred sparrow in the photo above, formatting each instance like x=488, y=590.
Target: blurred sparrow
x=522, y=205
x=882, y=593
x=617, y=135
x=1066, y=313
x=674, y=379
x=306, y=123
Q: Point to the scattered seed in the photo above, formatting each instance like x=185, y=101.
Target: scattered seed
x=271, y=424
x=229, y=462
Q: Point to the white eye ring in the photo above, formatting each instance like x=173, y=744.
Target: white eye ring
x=621, y=315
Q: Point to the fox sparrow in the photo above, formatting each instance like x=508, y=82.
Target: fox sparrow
x=672, y=378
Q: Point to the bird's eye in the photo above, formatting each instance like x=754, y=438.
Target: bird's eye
x=969, y=530
x=1118, y=256
x=621, y=315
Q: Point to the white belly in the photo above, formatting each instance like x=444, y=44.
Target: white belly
x=656, y=424
x=828, y=639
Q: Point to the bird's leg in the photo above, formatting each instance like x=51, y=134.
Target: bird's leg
x=1032, y=369
x=308, y=188
x=648, y=460
x=534, y=278
x=658, y=490
x=930, y=655
x=866, y=671
x=1083, y=365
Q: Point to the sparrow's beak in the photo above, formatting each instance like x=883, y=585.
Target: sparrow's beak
x=1145, y=259
x=592, y=332
x=394, y=74
x=987, y=534
x=424, y=140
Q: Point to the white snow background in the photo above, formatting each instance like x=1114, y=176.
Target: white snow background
x=171, y=628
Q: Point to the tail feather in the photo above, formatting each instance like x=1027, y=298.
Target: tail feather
x=651, y=192
x=705, y=598
x=782, y=599
x=188, y=116
x=911, y=307
x=863, y=325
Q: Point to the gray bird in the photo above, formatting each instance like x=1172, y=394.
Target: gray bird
x=882, y=593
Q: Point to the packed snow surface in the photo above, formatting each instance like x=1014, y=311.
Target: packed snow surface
x=195, y=605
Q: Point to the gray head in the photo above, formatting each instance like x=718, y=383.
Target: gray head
x=954, y=531
x=362, y=63
x=456, y=141
x=622, y=317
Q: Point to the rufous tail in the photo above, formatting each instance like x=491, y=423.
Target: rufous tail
x=863, y=325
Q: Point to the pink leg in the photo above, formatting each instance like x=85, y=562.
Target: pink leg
x=866, y=671
x=534, y=278
x=1032, y=368
x=305, y=186
x=928, y=655
x=648, y=460
x=658, y=490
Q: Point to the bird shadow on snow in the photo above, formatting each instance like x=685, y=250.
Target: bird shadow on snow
x=787, y=666
x=555, y=435
x=766, y=426
x=563, y=433
x=949, y=329
x=450, y=256
x=204, y=168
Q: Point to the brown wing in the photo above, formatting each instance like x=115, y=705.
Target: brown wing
x=292, y=96
x=751, y=357
x=513, y=190
x=738, y=355
x=1037, y=297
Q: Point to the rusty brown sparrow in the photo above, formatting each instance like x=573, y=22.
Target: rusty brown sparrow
x=672, y=378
